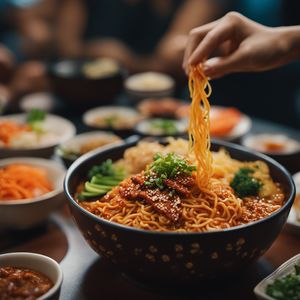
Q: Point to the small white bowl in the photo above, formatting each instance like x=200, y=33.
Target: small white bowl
x=26, y=213
x=39, y=263
x=149, y=84
x=258, y=142
x=60, y=127
x=43, y=101
x=288, y=157
x=285, y=269
x=130, y=115
x=74, y=144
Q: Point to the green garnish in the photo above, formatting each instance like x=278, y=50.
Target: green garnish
x=35, y=118
x=166, y=166
x=165, y=126
x=287, y=287
x=111, y=120
x=244, y=184
x=66, y=153
x=105, y=169
x=102, y=179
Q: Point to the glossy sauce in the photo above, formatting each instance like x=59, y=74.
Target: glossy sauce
x=22, y=284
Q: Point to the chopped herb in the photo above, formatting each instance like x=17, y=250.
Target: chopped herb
x=106, y=169
x=165, y=126
x=102, y=179
x=287, y=287
x=35, y=118
x=244, y=184
x=166, y=166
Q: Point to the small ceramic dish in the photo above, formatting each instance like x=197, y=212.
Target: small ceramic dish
x=157, y=127
x=283, y=270
x=56, y=130
x=279, y=146
x=119, y=119
x=80, y=144
x=26, y=213
x=149, y=85
x=40, y=263
x=42, y=100
x=160, y=107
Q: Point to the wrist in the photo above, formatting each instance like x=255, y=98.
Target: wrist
x=291, y=45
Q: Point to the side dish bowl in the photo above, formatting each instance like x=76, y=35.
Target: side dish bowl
x=37, y=262
x=149, y=84
x=70, y=150
x=280, y=147
x=80, y=83
x=285, y=269
x=169, y=257
x=60, y=128
x=119, y=119
x=22, y=214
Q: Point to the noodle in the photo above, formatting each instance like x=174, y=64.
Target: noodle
x=212, y=204
x=199, y=136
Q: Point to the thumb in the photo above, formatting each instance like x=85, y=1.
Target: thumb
x=219, y=66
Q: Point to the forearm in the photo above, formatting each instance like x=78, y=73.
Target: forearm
x=293, y=40
x=156, y=63
x=69, y=28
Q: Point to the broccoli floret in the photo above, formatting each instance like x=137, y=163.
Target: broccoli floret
x=244, y=184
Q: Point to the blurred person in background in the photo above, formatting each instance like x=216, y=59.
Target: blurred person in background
x=6, y=69
x=24, y=36
x=143, y=35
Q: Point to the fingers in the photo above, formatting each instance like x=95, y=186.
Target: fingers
x=219, y=66
x=211, y=41
x=195, y=37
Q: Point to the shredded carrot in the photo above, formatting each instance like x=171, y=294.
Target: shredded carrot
x=20, y=181
x=8, y=129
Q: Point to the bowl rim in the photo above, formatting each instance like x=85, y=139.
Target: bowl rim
x=71, y=133
x=47, y=260
x=39, y=161
x=225, y=144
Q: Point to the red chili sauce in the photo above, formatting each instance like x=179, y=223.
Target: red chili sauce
x=22, y=284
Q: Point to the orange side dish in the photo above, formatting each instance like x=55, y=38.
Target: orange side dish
x=224, y=120
x=9, y=129
x=21, y=181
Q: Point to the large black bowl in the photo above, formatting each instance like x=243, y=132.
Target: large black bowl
x=178, y=257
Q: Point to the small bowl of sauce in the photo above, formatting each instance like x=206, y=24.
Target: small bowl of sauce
x=284, y=149
x=29, y=276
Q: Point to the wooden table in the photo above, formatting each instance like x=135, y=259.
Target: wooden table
x=87, y=276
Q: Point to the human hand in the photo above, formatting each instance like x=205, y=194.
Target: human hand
x=235, y=43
